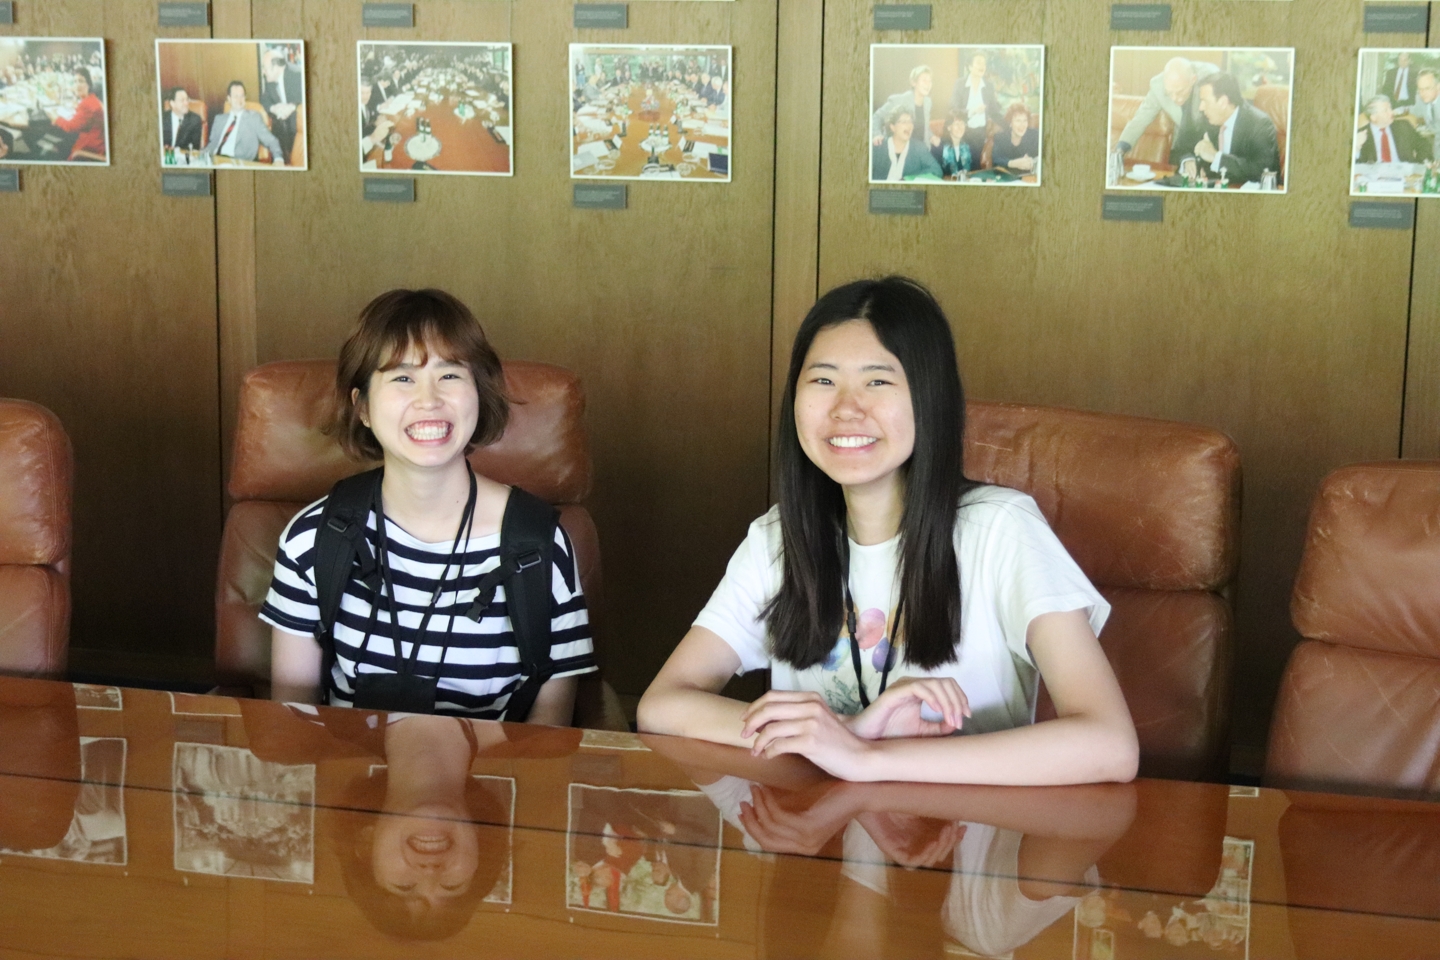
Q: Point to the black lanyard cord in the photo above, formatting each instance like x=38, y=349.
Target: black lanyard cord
x=851, y=626
x=406, y=665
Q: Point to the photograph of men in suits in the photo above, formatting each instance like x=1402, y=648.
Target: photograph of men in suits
x=180, y=127
x=1172, y=92
x=282, y=92
x=1399, y=84
x=901, y=157
x=239, y=132
x=1426, y=108
x=1382, y=140
x=1246, y=143
x=922, y=80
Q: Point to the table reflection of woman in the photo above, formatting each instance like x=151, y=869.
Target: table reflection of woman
x=990, y=867
x=1017, y=145
x=87, y=124
x=418, y=869
x=953, y=153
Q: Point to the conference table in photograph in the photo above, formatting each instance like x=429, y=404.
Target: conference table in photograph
x=144, y=824
x=651, y=146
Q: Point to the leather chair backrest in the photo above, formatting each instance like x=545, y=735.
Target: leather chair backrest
x=36, y=488
x=1154, y=143
x=1274, y=102
x=1359, y=704
x=284, y=460
x=1150, y=510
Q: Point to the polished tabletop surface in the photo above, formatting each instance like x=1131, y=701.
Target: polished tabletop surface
x=143, y=824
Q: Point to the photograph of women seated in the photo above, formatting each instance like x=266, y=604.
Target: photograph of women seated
x=906, y=613
x=418, y=387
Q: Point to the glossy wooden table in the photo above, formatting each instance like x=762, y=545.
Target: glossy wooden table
x=149, y=825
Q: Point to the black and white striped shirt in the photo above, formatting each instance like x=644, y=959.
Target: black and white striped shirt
x=482, y=664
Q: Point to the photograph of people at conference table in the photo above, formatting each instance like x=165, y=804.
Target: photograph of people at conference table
x=1397, y=114
x=435, y=108
x=651, y=112
x=232, y=104
x=1205, y=118
x=52, y=101
x=955, y=114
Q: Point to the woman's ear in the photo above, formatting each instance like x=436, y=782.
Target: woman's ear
x=359, y=404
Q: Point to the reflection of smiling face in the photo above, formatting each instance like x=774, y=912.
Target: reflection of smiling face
x=427, y=858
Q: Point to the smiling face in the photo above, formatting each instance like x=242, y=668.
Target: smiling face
x=1426, y=88
x=1381, y=113
x=901, y=128
x=425, y=858
x=181, y=104
x=423, y=411
x=923, y=85
x=852, y=408
x=977, y=66
x=1019, y=124
x=235, y=97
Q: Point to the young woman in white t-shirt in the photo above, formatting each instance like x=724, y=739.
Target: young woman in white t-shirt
x=894, y=601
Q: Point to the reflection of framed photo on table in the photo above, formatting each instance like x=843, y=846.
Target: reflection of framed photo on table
x=232, y=104
x=1199, y=118
x=1397, y=117
x=53, y=97
x=443, y=108
x=955, y=114
x=650, y=112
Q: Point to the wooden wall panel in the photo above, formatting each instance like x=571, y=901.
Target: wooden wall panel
x=1421, y=437
x=1267, y=317
x=107, y=316
x=663, y=309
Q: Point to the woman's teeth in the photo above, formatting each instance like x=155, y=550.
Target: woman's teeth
x=851, y=441
x=428, y=431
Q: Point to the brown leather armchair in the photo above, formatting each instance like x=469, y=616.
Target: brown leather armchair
x=1359, y=704
x=36, y=487
x=1154, y=143
x=284, y=460
x=1150, y=510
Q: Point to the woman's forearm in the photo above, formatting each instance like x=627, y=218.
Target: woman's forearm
x=1069, y=750
x=688, y=712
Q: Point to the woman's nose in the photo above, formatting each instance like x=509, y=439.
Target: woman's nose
x=847, y=406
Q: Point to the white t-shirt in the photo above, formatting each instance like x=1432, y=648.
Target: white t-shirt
x=1012, y=570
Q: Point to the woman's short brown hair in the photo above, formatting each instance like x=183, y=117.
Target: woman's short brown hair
x=427, y=320
x=1016, y=109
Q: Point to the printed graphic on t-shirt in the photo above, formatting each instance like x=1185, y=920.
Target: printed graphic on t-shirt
x=835, y=678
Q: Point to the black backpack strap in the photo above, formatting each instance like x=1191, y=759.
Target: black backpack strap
x=341, y=545
x=527, y=544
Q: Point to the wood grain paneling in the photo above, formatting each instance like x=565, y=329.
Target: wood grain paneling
x=1267, y=317
x=107, y=316
x=663, y=309
x=1421, y=437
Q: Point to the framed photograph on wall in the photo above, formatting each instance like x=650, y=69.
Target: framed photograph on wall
x=649, y=854
x=53, y=100
x=656, y=112
x=232, y=104
x=955, y=114
x=1397, y=115
x=436, y=108
x=1203, y=118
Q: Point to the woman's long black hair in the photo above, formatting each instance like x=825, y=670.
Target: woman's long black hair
x=805, y=617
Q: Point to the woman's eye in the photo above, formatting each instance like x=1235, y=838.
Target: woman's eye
x=822, y=381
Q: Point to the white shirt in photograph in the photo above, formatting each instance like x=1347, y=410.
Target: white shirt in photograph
x=975, y=105
x=897, y=159
x=1012, y=570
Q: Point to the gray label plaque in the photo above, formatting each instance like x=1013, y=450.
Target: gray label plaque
x=388, y=15
x=909, y=203
x=7, y=12
x=1140, y=16
x=600, y=196
x=1382, y=215
x=902, y=16
x=1397, y=18
x=190, y=184
x=390, y=189
x=184, y=14
x=1138, y=209
x=601, y=16
x=9, y=181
